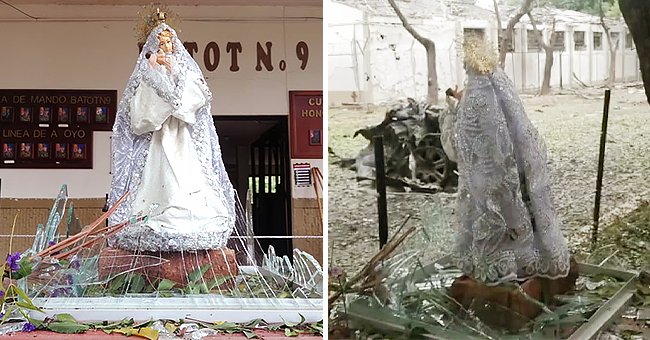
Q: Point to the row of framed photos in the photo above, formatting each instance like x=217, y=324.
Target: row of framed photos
x=44, y=151
x=54, y=114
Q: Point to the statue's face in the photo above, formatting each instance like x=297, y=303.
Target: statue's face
x=165, y=44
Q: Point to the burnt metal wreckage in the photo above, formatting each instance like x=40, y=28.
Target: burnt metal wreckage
x=412, y=149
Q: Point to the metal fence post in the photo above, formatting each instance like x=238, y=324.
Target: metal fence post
x=599, y=179
x=380, y=175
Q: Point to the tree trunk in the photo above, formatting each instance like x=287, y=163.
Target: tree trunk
x=496, y=11
x=636, y=14
x=548, y=52
x=503, y=49
x=548, y=65
x=612, y=47
x=432, y=76
x=612, y=66
x=430, y=47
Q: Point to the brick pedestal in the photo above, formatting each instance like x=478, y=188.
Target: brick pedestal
x=505, y=306
x=174, y=266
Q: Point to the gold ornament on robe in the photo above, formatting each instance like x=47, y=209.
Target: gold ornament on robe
x=152, y=16
x=480, y=55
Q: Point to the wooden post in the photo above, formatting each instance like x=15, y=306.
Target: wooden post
x=599, y=179
x=380, y=176
x=104, y=209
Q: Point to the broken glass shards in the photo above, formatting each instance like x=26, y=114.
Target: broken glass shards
x=45, y=236
x=84, y=276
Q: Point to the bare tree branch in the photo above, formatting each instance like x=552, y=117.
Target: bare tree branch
x=604, y=25
x=610, y=43
x=548, y=51
x=503, y=49
x=496, y=10
x=430, y=47
x=406, y=24
x=545, y=46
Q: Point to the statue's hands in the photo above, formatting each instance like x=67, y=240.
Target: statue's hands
x=457, y=94
x=152, y=59
x=454, y=93
x=161, y=59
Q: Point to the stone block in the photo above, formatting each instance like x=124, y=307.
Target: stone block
x=506, y=306
x=174, y=266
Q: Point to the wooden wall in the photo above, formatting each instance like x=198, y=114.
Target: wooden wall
x=307, y=220
x=28, y=213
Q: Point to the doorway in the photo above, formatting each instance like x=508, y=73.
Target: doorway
x=255, y=151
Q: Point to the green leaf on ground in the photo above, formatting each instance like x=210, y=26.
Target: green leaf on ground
x=198, y=273
x=218, y=281
x=115, y=286
x=64, y=317
x=165, y=285
x=136, y=283
x=250, y=334
x=290, y=332
x=67, y=327
x=293, y=324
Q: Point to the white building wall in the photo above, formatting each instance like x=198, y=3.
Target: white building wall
x=74, y=53
x=397, y=67
x=346, y=32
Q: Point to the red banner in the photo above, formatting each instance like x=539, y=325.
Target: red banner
x=306, y=124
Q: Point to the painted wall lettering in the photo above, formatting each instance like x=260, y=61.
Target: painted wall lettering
x=211, y=56
x=264, y=56
x=263, y=50
x=233, y=48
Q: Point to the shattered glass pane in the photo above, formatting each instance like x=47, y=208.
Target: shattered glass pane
x=56, y=214
x=82, y=268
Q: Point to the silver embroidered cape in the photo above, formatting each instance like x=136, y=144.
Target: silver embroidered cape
x=130, y=153
x=509, y=229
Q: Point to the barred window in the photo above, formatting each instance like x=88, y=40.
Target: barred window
x=511, y=43
x=598, y=40
x=475, y=32
x=558, y=41
x=534, y=43
x=629, y=43
x=579, y=41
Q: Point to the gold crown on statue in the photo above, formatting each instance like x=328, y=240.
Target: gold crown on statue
x=480, y=55
x=153, y=15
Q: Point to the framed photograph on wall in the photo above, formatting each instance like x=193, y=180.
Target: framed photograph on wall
x=26, y=150
x=43, y=150
x=8, y=150
x=25, y=115
x=6, y=114
x=63, y=115
x=82, y=114
x=78, y=151
x=61, y=151
x=44, y=114
x=315, y=137
x=101, y=115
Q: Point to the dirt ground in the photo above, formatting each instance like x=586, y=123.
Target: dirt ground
x=570, y=124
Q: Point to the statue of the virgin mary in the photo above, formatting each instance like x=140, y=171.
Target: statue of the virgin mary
x=509, y=229
x=166, y=155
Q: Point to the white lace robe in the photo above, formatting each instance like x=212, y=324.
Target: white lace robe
x=509, y=229
x=174, y=192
